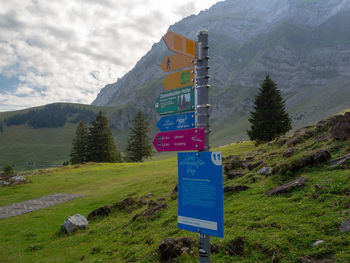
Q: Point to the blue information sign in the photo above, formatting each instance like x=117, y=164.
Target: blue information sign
x=200, y=203
x=177, y=122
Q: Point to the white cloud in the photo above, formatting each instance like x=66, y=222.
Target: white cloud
x=67, y=50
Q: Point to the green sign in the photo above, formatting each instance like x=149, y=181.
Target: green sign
x=175, y=101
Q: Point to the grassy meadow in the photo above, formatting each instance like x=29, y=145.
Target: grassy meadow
x=270, y=229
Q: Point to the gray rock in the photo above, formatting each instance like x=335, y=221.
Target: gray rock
x=4, y=183
x=265, y=171
x=288, y=187
x=345, y=227
x=234, y=174
x=17, y=179
x=339, y=162
x=74, y=223
x=318, y=242
x=289, y=152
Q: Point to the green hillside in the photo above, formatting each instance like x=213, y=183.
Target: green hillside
x=258, y=228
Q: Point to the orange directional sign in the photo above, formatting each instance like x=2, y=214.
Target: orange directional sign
x=180, y=44
x=179, y=79
x=175, y=62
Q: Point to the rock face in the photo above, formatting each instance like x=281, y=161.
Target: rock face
x=341, y=129
x=74, y=223
x=302, y=44
x=171, y=248
x=340, y=162
x=288, y=187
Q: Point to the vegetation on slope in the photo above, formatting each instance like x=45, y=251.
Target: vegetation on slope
x=258, y=228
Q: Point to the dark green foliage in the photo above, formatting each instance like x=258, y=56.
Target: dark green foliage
x=80, y=144
x=51, y=116
x=269, y=119
x=101, y=147
x=139, y=145
x=8, y=170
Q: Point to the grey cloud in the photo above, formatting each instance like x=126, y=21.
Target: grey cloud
x=9, y=21
x=185, y=9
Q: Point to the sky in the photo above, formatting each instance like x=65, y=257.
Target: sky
x=68, y=50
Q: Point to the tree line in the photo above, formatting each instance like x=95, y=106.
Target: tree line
x=96, y=143
x=51, y=116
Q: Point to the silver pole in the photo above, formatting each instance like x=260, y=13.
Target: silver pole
x=202, y=117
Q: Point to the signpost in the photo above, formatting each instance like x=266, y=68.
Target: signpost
x=177, y=122
x=179, y=79
x=176, y=101
x=175, y=62
x=200, y=205
x=180, y=44
x=184, y=140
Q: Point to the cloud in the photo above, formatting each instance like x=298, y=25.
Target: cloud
x=67, y=50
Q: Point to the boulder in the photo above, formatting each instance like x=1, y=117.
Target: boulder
x=100, y=212
x=172, y=248
x=341, y=127
x=265, y=171
x=74, y=223
x=340, y=162
x=234, y=174
x=235, y=188
x=17, y=179
x=4, y=183
x=318, y=242
x=345, y=227
x=288, y=187
x=289, y=152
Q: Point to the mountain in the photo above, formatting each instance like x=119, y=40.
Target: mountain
x=303, y=44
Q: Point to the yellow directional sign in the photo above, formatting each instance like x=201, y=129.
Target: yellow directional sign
x=175, y=62
x=179, y=79
x=180, y=44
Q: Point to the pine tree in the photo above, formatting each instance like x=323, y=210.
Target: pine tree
x=269, y=119
x=101, y=146
x=139, y=145
x=80, y=141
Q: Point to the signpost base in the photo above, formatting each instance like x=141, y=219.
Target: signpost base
x=204, y=248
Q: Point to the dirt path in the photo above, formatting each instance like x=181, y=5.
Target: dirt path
x=35, y=204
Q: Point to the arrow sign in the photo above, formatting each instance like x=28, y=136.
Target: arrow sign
x=175, y=101
x=179, y=79
x=180, y=44
x=185, y=140
x=177, y=122
x=176, y=61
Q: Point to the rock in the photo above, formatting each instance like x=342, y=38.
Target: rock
x=328, y=259
x=322, y=138
x=340, y=162
x=288, y=187
x=17, y=179
x=252, y=166
x=151, y=211
x=321, y=157
x=249, y=158
x=233, y=163
x=281, y=141
x=265, y=171
x=172, y=248
x=100, y=212
x=4, y=183
x=289, y=152
x=345, y=227
x=74, y=223
x=234, y=174
x=127, y=202
x=148, y=195
x=295, y=140
x=318, y=242
x=341, y=127
x=235, y=188
x=235, y=247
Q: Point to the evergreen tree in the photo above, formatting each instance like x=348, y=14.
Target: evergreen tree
x=269, y=119
x=80, y=143
x=139, y=145
x=101, y=147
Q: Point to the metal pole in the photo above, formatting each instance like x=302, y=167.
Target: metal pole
x=202, y=117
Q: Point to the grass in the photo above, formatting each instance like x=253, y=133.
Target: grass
x=268, y=228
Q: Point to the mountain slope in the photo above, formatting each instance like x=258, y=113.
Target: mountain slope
x=303, y=44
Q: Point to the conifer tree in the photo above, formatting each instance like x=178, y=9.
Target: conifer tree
x=101, y=146
x=139, y=145
x=80, y=141
x=269, y=119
